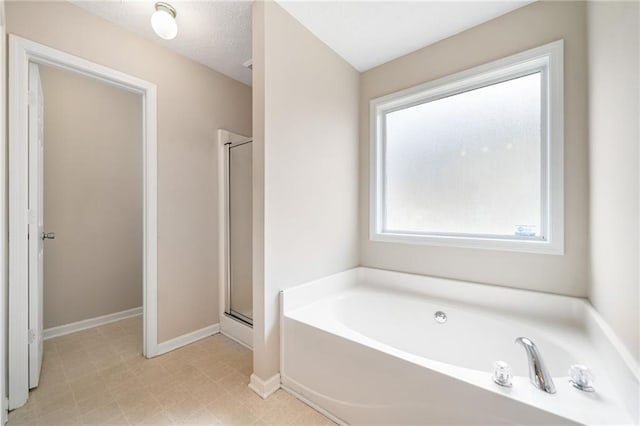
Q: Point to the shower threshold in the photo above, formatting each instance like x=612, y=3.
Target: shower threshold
x=240, y=318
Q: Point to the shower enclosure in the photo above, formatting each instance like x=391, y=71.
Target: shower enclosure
x=239, y=295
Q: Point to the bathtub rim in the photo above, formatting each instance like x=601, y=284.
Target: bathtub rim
x=355, y=276
x=623, y=369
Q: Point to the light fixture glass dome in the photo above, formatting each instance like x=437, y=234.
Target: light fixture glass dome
x=163, y=21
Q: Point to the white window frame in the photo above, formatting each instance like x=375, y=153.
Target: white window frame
x=548, y=60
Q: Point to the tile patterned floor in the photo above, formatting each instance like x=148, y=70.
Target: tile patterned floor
x=98, y=377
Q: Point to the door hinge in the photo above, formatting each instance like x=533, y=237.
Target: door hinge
x=32, y=336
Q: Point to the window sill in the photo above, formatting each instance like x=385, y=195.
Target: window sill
x=513, y=245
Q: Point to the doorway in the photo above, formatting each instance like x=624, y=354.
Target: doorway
x=237, y=254
x=27, y=203
x=92, y=202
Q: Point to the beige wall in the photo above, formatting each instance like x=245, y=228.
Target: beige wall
x=525, y=28
x=614, y=113
x=193, y=102
x=308, y=146
x=92, y=198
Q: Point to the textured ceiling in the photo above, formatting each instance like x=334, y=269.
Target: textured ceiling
x=369, y=33
x=365, y=33
x=214, y=33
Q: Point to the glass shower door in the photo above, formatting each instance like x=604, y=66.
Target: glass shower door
x=240, y=285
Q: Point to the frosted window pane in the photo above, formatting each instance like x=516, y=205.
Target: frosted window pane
x=467, y=164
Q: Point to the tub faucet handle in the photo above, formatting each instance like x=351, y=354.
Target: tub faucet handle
x=502, y=373
x=539, y=376
x=581, y=377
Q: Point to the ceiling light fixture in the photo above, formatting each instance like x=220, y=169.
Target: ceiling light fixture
x=163, y=21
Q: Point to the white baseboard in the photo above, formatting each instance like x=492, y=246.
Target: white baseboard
x=188, y=338
x=61, y=330
x=236, y=330
x=315, y=406
x=225, y=333
x=264, y=388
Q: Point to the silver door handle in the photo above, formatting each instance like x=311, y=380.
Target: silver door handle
x=48, y=235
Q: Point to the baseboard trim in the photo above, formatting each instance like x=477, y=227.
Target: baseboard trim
x=264, y=388
x=238, y=341
x=315, y=406
x=73, y=327
x=188, y=338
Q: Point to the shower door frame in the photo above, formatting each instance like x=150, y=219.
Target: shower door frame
x=230, y=325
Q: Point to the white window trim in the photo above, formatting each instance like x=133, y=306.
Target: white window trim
x=549, y=60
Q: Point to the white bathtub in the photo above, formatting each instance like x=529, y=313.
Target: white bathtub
x=363, y=346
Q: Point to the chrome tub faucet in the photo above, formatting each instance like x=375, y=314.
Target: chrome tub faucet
x=538, y=373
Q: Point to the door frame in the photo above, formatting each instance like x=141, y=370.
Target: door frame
x=229, y=326
x=21, y=53
x=4, y=401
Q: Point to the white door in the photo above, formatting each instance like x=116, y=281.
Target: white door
x=36, y=231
